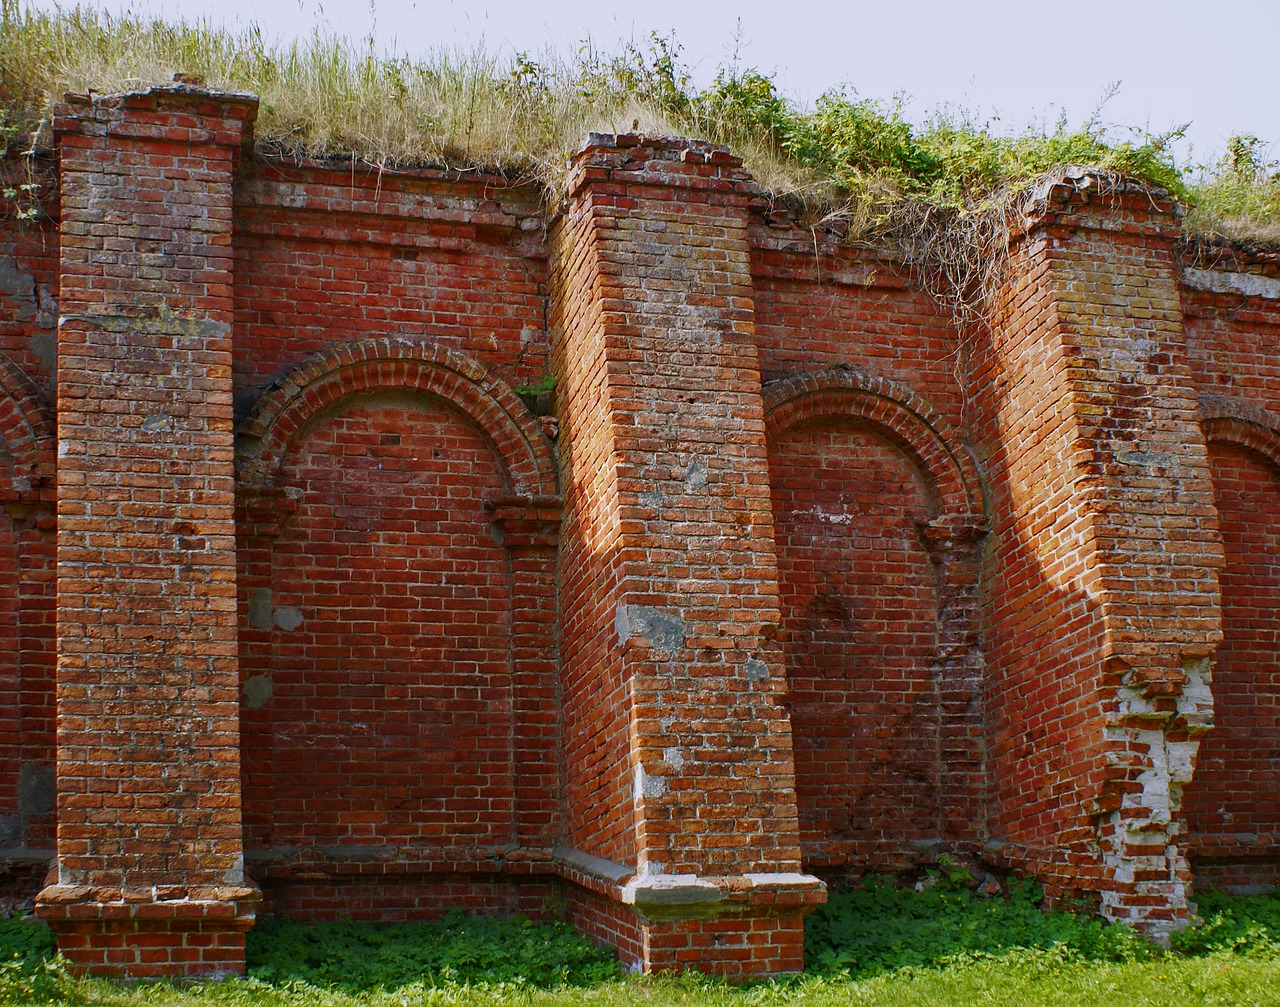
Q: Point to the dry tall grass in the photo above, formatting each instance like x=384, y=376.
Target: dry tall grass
x=328, y=95
x=929, y=192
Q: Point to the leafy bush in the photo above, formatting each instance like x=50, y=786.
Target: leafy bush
x=29, y=967
x=460, y=948
x=1244, y=924
x=880, y=927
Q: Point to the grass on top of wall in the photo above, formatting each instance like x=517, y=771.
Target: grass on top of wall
x=846, y=161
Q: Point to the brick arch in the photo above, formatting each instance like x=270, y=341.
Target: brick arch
x=28, y=431
x=1236, y=788
x=905, y=417
x=1239, y=422
x=397, y=365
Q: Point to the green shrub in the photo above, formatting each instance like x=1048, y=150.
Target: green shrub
x=460, y=948
x=29, y=967
x=1243, y=924
x=880, y=927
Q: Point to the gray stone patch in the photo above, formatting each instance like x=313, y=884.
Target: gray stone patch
x=20, y=287
x=655, y=892
x=260, y=614
x=37, y=789
x=651, y=498
x=1220, y=282
x=157, y=423
x=648, y=786
x=590, y=864
x=37, y=793
x=662, y=629
x=757, y=670
x=45, y=346
x=257, y=692
x=155, y=322
x=288, y=618
x=695, y=476
x=674, y=758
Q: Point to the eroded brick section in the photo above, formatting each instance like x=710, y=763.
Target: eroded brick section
x=148, y=770
x=1108, y=538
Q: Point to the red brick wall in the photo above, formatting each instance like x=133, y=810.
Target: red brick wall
x=772, y=523
x=397, y=617
x=839, y=306
x=668, y=256
x=860, y=632
x=597, y=771
x=28, y=324
x=1107, y=543
x=325, y=256
x=1234, y=799
x=1231, y=301
x=29, y=255
x=391, y=704
x=148, y=732
x=10, y=685
x=1043, y=703
x=1231, y=305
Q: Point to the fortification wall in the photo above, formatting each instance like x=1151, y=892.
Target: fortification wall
x=384, y=541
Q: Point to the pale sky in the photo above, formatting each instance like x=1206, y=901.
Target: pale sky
x=1215, y=64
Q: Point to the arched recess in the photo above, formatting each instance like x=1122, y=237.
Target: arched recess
x=28, y=452
x=879, y=514
x=1232, y=805
x=27, y=435
x=396, y=556
x=396, y=365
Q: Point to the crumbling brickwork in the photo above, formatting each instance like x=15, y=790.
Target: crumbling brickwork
x=399, y=543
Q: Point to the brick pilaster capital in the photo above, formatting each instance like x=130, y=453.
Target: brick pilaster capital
x=181, y=112
x=1081, y=198
x=660, y=161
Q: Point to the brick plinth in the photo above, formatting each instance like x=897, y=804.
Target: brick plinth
x=150, y=874
x=678, y=749
x=148, y=933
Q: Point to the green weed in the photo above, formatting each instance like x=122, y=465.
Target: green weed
x=976, y=951
x=460, y=948
x=880, y=927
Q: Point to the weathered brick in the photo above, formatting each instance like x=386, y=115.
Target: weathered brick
x=783, y=575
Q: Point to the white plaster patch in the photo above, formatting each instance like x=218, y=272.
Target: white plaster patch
x=1221, y=282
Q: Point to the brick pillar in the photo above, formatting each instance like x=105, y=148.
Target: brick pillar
x=681, y=816
x=150, y=877
x=1104, y=590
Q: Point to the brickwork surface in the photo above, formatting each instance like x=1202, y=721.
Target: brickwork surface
x=148, y=733
x=386, y=542
x=1232, y=806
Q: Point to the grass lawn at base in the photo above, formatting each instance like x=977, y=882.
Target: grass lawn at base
x=1025, y=978
x=876, y=945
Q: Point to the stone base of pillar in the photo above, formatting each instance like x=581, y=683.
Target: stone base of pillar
x=150, y=933
x=748, y=925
